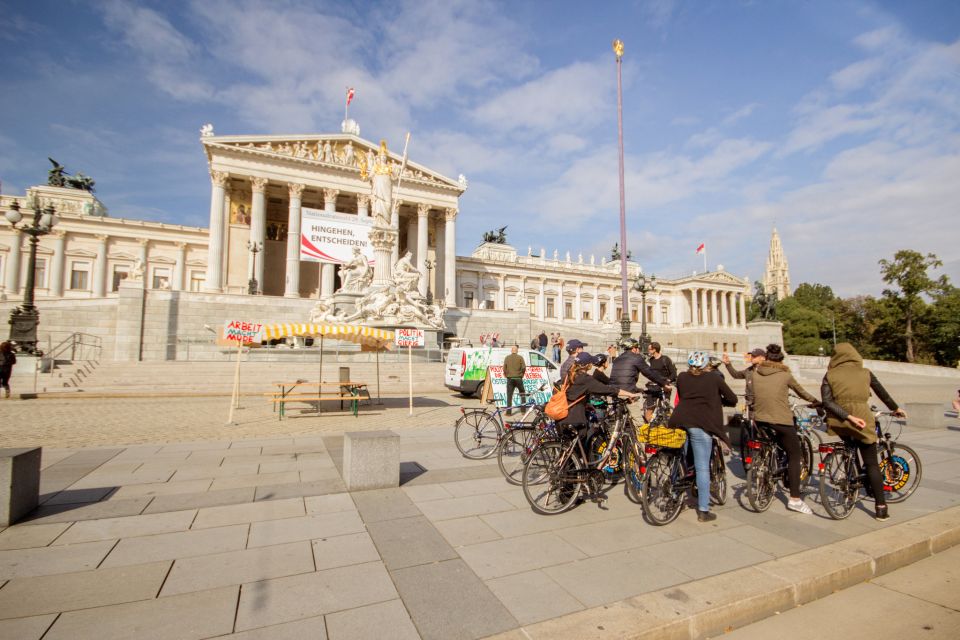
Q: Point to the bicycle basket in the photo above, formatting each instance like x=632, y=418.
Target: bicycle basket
x=661, y=436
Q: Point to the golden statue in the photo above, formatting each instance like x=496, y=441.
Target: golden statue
x=383, y=166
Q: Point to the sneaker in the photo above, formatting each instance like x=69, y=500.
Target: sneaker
x=799, y=506
x=882, y=513
x=705, y=516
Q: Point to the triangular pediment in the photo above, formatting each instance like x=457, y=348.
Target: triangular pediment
x=339, y=151
x=723, y=277
x=81, y=253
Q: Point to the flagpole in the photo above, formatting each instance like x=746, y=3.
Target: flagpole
x=346, y=106
x=704, y=258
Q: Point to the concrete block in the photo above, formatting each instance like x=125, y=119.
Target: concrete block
x=926, y=415
x=20, y=483
x=371, y=460
x=819, y=572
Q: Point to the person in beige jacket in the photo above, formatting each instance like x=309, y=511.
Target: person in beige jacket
x=771, y=410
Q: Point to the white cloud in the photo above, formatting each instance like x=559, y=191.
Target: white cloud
x=743, y=112
x=856, y=75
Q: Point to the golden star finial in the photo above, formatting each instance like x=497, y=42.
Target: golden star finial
x=618, y=47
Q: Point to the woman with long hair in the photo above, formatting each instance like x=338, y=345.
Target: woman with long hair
x=771, y=410
x=7, y=360
x=703, y=393
x=580, y=383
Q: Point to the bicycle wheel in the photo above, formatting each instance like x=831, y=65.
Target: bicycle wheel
x=633, y=471
x=662, y=499
x=551, y=480
x=839, y=490
x=901, y=472
x=477, y=435
x=718, y=476
x=806, y=457
x=513, y=453
x=760, y=480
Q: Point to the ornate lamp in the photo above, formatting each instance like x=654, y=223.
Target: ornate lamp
x=25, y=318
x=644, y=285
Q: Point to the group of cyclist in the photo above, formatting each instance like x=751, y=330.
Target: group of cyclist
x=702, y=393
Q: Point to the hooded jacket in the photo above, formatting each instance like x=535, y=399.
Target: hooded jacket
x=771, y=380
x=846, y=391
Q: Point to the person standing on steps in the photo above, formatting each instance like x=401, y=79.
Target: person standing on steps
x=7, y=360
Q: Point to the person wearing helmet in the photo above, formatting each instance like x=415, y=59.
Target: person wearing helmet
x=627, y=369
x=700, y=413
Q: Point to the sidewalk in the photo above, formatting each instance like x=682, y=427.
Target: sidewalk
x=257, y=538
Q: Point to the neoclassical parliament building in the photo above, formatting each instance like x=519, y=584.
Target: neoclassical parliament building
x=96, y=269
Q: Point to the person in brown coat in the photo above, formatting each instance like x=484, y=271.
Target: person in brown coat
x=513, y=369
x=846, y=397
x=771, y=410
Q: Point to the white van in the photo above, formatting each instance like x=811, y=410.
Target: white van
x=466, y=367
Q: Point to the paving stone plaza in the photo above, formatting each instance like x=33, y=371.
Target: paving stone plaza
x=194, y=529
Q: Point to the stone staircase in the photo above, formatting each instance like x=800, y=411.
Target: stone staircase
x=256, y=377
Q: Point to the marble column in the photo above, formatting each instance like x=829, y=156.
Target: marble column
x=423, y=223
x=542, y=302
x=439, y=286
x=694, y=314
x=292, y=283
x=450, y=257
x=12, y=280
x=577, y=308
x=395, y=225
x=180, y=268
x=363, y=206
x=596, y=304
x=144, y=258
x=501, y=293
x=56, y=268
x=215, y=253
x=258, y=228
x=328, y=270
x=704, y=309
x=728, y=300
x=100, y=268
x=743, y=311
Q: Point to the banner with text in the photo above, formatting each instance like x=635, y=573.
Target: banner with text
x=331, y=237
x=536, y=384
x=242, y=332
x=409, y=337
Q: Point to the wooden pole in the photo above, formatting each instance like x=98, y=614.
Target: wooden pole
x=410, y=375
x=320, y=386
x=379, y=400
x=235, y=396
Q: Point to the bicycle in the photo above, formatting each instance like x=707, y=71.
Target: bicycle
x=519, y=440
x=769, y=465
x=842, y=476
x=557, y=472
x=478, y=432
x=669, y=475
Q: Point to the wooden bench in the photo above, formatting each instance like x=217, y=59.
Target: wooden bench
x=296, y=392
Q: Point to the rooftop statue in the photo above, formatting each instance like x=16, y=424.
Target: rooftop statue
x=766, y=302
x=498, y=236
x=615, y=253
x=58, y=177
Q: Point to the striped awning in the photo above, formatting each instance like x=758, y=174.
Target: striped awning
x=369, y=336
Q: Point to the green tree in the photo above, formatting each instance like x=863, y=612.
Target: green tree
x=908, y=272
x=941, y=327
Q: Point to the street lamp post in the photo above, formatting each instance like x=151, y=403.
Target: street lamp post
x=644, y=285
x=624, y=292
x=253, y=287
x=429, y=264
x=25, y=318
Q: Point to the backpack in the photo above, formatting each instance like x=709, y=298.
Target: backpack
x=534, y=344
x=558, y=406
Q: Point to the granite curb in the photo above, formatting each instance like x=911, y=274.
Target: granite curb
x=721, y=603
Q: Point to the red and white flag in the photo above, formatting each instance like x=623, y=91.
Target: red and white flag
x=350, y=93
x=701, y=248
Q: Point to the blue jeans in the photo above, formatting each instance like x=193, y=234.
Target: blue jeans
x=702, y=445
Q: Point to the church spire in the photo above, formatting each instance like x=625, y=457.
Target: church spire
x=776, y=279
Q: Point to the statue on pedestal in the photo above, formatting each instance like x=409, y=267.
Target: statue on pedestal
x=356, y=274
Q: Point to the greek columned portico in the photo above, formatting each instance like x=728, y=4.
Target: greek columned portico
x=292, y=280
x=214, y=277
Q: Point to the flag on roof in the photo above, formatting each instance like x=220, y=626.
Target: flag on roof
x=701, y=248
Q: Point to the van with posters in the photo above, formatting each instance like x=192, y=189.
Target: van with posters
x=466, y=367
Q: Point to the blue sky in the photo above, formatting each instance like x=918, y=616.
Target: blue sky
x=837, y=121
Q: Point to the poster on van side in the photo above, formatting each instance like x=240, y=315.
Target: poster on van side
x=536, y=383
x=477, y=362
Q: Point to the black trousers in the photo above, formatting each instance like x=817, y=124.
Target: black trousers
x=790, y=441
x=514, y=383
x=868, y=454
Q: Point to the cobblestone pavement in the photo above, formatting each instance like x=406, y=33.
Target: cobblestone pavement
x=115, y=421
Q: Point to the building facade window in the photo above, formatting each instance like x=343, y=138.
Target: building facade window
x=120, y=273
x=551, y=311
x=196, y=280
x=161, y=278
x=532, y=305
x=568, y=311
x=603, y=310
x=468, y=299
x=664, y=317
x=80, y=276
x=585, y=314
x=40, y=274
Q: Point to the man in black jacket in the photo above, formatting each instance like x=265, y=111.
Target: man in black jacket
x=626, y=371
